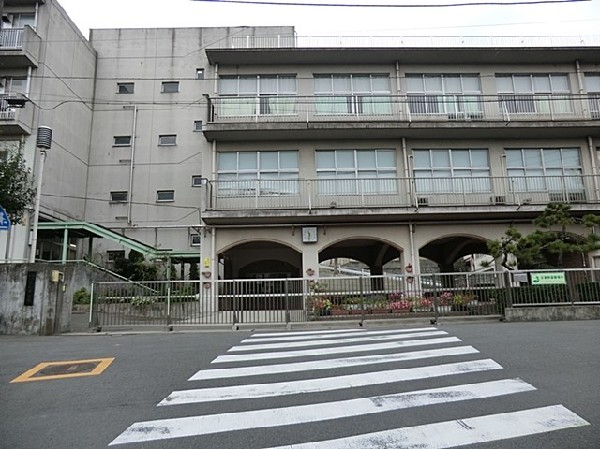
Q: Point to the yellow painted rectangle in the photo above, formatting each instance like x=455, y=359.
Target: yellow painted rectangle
x=29, y=375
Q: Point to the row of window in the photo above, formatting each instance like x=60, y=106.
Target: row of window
x=370, y=94
x=435, y=170
x=164, y=140
x=346, y=172
x=167, y=87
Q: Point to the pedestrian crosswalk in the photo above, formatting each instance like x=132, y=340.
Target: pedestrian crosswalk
x=334, y=370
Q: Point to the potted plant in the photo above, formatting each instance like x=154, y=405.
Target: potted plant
x=401, y=305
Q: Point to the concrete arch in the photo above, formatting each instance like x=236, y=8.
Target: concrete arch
x=260, y=258
x=446, y=250
x=368, y=250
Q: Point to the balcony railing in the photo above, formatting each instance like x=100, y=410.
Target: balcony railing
x=402, y=192
x=11, y=38
x=407, y=108
x=294, y=41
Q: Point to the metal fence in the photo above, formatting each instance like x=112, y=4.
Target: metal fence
x=185, y=303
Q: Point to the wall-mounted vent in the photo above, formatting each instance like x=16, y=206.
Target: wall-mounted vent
x=423, y=201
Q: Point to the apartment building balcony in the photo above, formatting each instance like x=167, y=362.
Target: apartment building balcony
x=19, y=47
x=393, y=116
x=14, y=117
x=395, y=199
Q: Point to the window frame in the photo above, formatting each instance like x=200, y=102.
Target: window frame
x=116, y=144
x=114, y=196
x=350, y=180
x=456, y=178
x=270, y=181
x=165, y=200
x=192, y=238
x=353, y=100
x=166, y=87
x=200, y=178
x=126, y=90
x=163, y=140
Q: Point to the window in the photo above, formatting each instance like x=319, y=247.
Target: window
x=199, y=74
x=534, y=94
x=22, y=19
x=554, y=170
x=455, y=96
x=118, y=197
x=198, y=181
x=257, y=95
x=167, y=139
x=592, y=85
x=195, y=240
x=266, y=173
x=353, y=94
x=165, y=195
x=124, y=88
x=197, y=125
x=451, y=170
x=121, y=141
x=352, y=172
x=170, y=87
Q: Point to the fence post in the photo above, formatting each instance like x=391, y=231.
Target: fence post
x=508, y=287
x=91, y=317
x=362, y=300
x=287, y=302
x=436, y=309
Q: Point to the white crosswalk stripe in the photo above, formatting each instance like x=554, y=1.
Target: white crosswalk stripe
x=331, y=353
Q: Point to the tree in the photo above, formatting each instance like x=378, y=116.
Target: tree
x=16, y=186
x=135, y=268
x=553, y=239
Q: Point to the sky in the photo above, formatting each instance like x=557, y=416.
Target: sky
x=576, y=18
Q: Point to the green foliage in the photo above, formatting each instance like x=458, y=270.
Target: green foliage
x=135, y=268
x=141, y=301
x=81, y=296
x=552, y=239
x=194, y=273
x=16, y=188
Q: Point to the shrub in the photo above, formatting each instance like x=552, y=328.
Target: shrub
x=81, y=296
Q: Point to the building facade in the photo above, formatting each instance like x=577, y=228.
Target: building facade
x=260, y=154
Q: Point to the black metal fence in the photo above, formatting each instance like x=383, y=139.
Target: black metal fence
x=361, y=298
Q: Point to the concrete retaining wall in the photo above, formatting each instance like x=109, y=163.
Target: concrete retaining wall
x=50, y=311
x=553, y=313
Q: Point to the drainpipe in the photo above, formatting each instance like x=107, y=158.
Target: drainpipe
x=131, y=165
x=580, y=88
x=406, y=170
x=594, y=166
x=411, y=239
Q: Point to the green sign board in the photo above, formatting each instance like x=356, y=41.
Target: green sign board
x=548, y=278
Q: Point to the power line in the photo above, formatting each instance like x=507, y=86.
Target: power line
x=420, y=5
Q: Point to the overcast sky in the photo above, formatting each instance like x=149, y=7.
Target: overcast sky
x=574, y=18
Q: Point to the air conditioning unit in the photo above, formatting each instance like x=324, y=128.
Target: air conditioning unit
x=423, y=201
x=499, y=199
x=570, y=197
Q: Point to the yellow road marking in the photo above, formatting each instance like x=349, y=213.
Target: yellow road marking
x=30, y=375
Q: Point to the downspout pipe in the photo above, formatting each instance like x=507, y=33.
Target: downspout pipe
x=131, y=167
x=590, y=142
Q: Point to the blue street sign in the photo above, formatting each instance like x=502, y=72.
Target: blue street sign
x=4, y=221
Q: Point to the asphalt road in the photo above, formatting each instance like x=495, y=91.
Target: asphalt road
x=559, y=362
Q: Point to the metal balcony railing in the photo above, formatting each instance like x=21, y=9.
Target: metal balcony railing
x=402, y=192
x=406, y=108
x=11, y=38
x=295, y=41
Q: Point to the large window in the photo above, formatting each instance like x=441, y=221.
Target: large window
x=352, y=172
x=458, y=96
x=592, y=85
x=250, y=173
x=353, y=94
x=451, y=170
x=257, y=95
x=534, y=93
x=554, y=170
